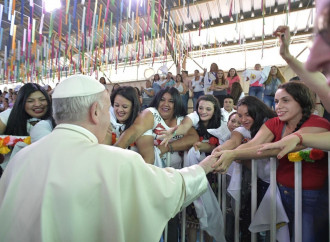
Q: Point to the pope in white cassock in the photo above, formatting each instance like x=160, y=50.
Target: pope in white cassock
x=70, y=187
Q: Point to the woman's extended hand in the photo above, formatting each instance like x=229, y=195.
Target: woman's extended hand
x=225, y=158
x=286, y=145
x=167, y=135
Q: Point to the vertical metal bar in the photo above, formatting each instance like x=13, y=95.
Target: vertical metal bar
x=253, y=195
x=297, y=202
x=237, y=210
x=273, y=199
x=168, y=162
x=183, y=225
x=224, y=199
x=329, y=185
x=219, y=188
x=165, y=233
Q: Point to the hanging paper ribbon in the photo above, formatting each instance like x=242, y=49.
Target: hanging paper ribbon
x=14, y=38
x=148, y=19
x=1, y=34
x=1, y=10
x=74, y=13
x=24, y=39
x=231, y=9
x=159, y=13
x=40, y=28
x=60, y=27
x=13, y=7
x=12, y=23
x=99, y=20
x=9, y=10
x=200, y=23
x=106, y=11
x=51, y=25
x=33, y=30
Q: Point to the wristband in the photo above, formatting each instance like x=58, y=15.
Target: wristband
x=171, y=148
x=300, y=138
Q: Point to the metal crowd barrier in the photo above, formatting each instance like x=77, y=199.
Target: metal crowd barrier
x=222, y=191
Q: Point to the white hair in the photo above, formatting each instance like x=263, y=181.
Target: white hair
x=73, y=109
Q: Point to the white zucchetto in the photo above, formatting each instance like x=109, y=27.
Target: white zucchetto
x=77, y=86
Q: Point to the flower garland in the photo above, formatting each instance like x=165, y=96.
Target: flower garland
x=310, y=155
x=211, y=140
x=10, y=141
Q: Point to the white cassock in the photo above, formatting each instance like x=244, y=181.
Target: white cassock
x=67, y=187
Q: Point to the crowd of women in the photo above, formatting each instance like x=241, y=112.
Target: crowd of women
x=159, y=128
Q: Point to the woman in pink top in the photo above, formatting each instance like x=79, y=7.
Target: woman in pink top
x=231, y=78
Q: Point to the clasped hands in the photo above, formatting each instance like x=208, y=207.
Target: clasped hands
x=224, y=158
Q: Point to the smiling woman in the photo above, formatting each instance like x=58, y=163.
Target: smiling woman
x=125, y=107
x=32, y=104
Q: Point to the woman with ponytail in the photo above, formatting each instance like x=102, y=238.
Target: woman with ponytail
x=293, y=104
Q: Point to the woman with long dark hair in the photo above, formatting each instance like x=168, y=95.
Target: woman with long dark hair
x=165, y=111
x=219, y=87
x=125, y=107
x=209, y=116
x=232, y=77
x=252, y=113
x=294, y=105
x=32, y=105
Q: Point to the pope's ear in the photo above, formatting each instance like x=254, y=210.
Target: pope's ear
x=94, y=112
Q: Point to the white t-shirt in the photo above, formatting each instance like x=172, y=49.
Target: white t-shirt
x=221, y=132
x=41, y=129
x=159, y=125
x=198, y=84
x=208, y=79
x=263, y=164
x=4, y=116
x=225, y=114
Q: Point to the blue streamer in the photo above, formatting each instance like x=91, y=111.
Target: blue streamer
x=121, y=9
x=31, y=16
x=6, y=6
x=74, y=15
x=1, y=33
x=22, y=12
x=9, y=43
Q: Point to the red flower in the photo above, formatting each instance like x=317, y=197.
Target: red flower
x=17, y=140
x=213, y=141
x=113, y=138
x=316, y=154
x=200, y=138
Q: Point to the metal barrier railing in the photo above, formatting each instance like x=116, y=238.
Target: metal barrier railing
x=222, y=190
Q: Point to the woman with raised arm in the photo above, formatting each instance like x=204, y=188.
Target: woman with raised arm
x=275, y=78
x=310, y=73
x=294, y=104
